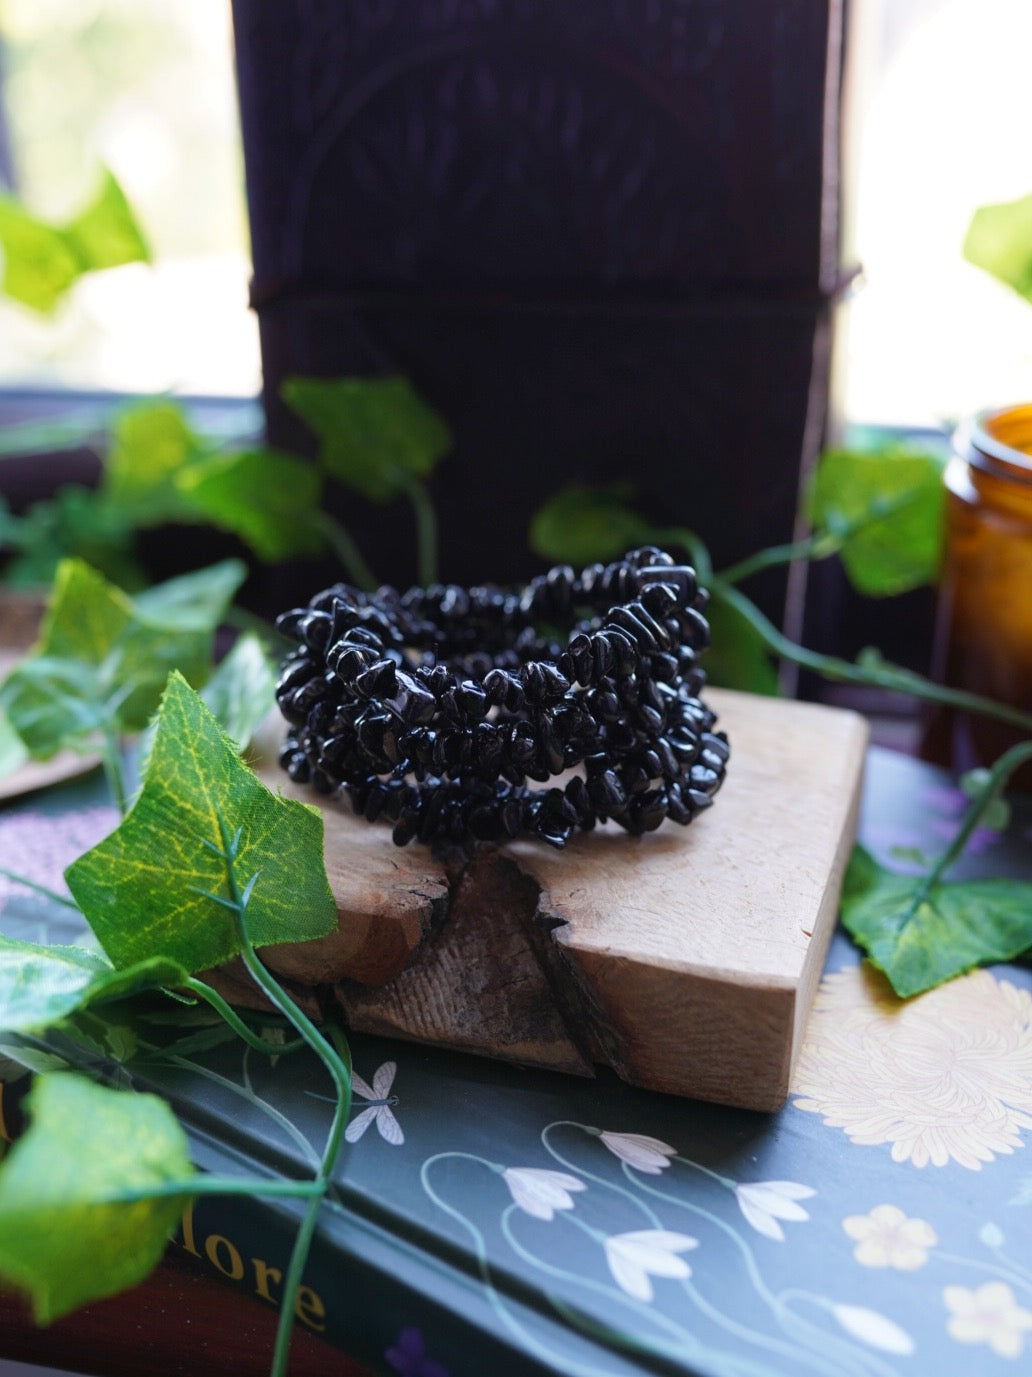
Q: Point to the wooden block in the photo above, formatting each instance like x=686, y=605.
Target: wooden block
x=686, y=959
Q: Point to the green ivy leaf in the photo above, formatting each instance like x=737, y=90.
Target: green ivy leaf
x=192, y=603
x=886, y=506
x=159, y=884
x=39, y=265
x=172, y=627
x=266, y=498
x=377, y=434
x=58, y=695
x=999, y=239
x=13, y=751
x=106, y=233
x=737, y=656
x=920, y=940
x=42, y=261
x=242, y=691
x=580, y=525
x=41, y=985
x=151, y=445
x=17, y=1058
x=103, y=657
x=74, y=523
x=60, y=1238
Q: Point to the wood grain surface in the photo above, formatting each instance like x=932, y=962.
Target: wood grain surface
x=686, y=959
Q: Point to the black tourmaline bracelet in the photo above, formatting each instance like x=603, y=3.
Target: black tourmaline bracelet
x=436, y=706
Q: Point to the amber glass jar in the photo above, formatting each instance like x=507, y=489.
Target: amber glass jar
x=983, y=637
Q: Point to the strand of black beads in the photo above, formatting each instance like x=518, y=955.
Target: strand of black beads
x=433, y=708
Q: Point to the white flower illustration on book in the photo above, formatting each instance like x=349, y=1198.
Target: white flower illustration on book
x=644, y=1253
x=638, y=1150
x=541, y=1192
x=873, y=1328
x=763, y=1203
x=378, y=1109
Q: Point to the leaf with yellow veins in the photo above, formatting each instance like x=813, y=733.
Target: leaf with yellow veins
x=68, y=1234
x=204, y=843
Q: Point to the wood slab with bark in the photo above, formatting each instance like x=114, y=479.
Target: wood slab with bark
x=686, y=960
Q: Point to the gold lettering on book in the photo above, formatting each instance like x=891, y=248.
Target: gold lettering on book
x=214, y=1246
x=264, y=1279
x=263, y=1275
x=309, y=1308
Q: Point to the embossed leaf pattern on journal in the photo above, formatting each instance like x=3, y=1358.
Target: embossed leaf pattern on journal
x=944, y=1077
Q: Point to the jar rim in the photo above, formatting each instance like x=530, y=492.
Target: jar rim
x=999, y=436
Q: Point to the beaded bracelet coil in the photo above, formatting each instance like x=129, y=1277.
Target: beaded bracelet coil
x=434, y=707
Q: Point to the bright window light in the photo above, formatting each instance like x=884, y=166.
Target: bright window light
x=146, y=88
x=940, y=126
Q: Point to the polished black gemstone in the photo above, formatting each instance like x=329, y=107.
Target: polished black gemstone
x=680, y=576
x=348, y=660
x=410, y=702
x=624, y=649
x=659, y=598
x=503, y=689
x=314, y=629
x=702, y=777
x=650, y=720
x=298, y=768
x=677, y=809
x=651, y=763
x=375, y=801
x=715, y=750
x=511, y=816
x=650, y=809
x=406, y=827
x=297, y=670
x=644, y=630
x=288, y=624
x=696, y=628
x=434, y=707
x=380, y=678
x=602, y=654
x=553, y=757
x=607, y=706
x=472, y=700
x=582, y=660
